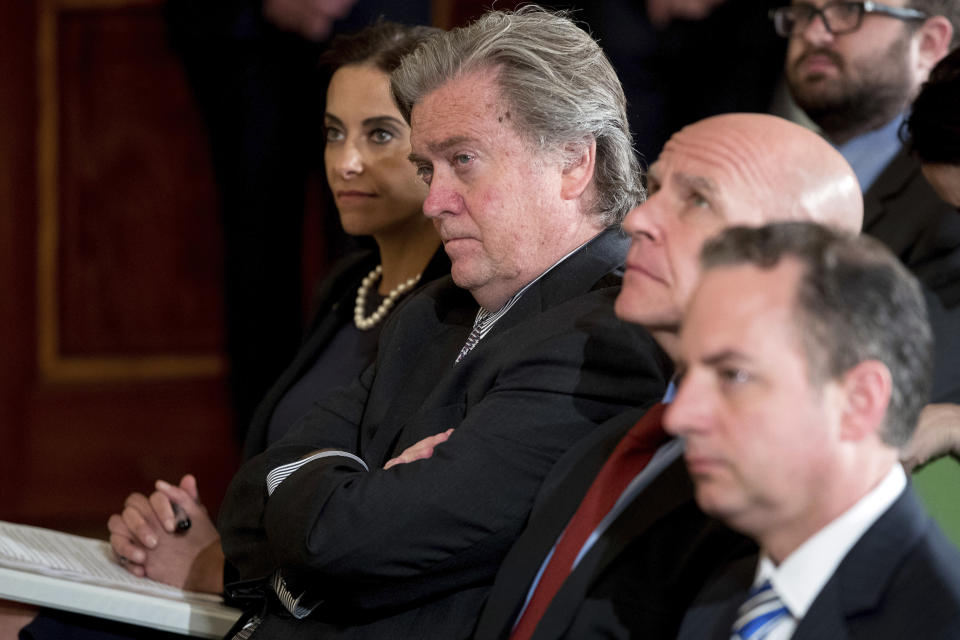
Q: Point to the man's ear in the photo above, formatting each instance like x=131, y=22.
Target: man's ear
x=867, y=388
x=933, y=42
x=579, y=160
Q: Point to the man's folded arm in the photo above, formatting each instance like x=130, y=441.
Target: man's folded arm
x=385, y=537
x=330, y=425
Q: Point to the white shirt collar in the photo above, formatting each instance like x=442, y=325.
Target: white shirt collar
x=800, y=577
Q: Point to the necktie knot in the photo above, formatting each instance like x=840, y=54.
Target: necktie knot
x=762, y=611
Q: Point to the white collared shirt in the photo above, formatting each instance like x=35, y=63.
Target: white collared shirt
x=799, y=579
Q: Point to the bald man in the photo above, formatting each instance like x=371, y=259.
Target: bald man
x=616, y=546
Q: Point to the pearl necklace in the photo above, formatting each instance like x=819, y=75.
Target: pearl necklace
x=381, y=312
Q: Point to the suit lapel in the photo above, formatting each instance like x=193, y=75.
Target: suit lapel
x=446, y=314
x=559, y=498
x=562, y=498
x=670, y=489
x=578, y=274
x=862, y=578
x=714, y=611
x=891, y=181
x=829, y=621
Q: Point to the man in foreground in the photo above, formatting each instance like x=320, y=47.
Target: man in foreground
x=806, y=358
x=635, y=560
x=522, y=358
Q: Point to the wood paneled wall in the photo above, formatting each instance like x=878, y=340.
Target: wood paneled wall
x=113, y=371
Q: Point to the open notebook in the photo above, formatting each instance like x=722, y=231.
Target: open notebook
x=63, y=571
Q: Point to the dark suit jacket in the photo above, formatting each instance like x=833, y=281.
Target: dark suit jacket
x=900, y=580
x=638, y=578
x=334, y=302
x=335, y=299
x=946, y=357
x=903, y=211
x=411, y=552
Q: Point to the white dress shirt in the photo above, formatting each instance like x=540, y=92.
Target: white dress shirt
x=799, y=579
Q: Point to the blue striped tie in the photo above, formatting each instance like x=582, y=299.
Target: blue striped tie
x=757, y=617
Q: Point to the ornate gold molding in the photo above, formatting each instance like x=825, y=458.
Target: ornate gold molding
x=53, y=365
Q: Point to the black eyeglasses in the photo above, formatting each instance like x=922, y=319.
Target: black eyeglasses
x=838, y=17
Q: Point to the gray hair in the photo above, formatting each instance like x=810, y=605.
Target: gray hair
x=557, y=81
x=855, y=302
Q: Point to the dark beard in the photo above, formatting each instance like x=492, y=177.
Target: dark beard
x=883, y=91
x=845, y=117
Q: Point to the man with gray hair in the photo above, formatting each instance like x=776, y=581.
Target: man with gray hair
x=350, y=526
x=807, y=357
x=554, y=86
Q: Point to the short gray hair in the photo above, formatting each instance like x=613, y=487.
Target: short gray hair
x=855, y=302
x=554, y=77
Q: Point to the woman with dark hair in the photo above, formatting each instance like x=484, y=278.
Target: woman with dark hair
x=934, y=127
x=377, y=194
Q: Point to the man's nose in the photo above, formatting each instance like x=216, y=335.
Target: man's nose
x=815, y=31
x=689, y=411
x=643, y=221
x=442, y=198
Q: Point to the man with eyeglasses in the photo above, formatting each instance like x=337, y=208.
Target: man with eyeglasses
x=854, y=68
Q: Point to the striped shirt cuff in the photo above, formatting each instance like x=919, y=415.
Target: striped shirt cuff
x=294, y=605
x=281, y=473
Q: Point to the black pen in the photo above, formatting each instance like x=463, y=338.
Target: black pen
x=183, y=521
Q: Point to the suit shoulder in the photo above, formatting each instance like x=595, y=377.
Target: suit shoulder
x=922, y=598
x=933, y=566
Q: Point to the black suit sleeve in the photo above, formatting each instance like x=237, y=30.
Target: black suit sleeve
x=332, y=425
x=388, y=538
